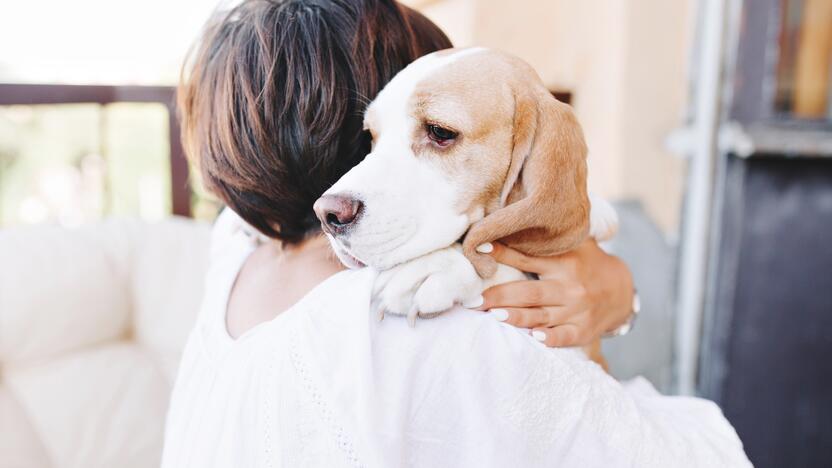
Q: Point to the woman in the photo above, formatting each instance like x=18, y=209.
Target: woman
x=272, y=116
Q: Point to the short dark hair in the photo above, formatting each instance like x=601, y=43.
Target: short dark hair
x=272, y=106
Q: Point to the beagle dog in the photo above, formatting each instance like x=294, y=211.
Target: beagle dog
x=468, y=147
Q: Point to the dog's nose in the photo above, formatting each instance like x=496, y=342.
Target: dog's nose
x=337, y=212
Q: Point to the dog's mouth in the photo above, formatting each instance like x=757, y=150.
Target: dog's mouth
x=348, y=259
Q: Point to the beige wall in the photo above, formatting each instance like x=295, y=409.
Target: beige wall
x=623, y=60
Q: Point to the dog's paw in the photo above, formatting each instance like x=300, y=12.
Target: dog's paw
x=426, y=286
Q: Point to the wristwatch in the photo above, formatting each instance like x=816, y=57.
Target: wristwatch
x=625, y=327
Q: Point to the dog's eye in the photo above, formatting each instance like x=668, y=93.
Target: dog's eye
x=441, y=136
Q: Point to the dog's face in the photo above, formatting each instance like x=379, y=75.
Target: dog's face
x=444, y=136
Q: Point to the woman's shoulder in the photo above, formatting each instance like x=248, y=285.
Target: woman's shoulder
x=230, y=229
x=483, y=355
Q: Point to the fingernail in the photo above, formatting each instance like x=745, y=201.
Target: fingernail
x=539, y=335
x=488, y=247
x=473, y=303
x=500, y=315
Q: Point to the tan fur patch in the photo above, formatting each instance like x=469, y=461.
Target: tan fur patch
x=520, y=158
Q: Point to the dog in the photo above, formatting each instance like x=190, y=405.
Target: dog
x=468, y=147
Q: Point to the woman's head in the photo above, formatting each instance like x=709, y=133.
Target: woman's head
x=272, y=107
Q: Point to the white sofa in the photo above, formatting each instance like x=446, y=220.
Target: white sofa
x=92, y=323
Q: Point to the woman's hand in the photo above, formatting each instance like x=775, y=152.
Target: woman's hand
x=580, y=295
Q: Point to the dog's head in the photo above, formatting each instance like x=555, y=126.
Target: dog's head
x=463, y=141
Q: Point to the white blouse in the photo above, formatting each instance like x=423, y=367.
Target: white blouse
x=325, y=384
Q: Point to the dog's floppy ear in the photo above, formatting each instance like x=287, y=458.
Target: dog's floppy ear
x=544, y=207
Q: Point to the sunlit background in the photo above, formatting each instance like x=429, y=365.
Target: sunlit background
x=709, y=124
x=75, y=163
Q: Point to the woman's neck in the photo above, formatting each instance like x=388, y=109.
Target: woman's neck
x=313, y=247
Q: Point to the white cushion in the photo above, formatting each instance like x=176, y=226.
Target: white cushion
x=59, y=290
x=20, y=445
x=92, y=323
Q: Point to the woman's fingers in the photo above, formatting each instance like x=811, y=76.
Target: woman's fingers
x=560, y=336
x=508, y=256
x=549, y=325
x=531, y=317
x=530, y=293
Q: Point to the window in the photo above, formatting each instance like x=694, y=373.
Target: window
x=804, y=78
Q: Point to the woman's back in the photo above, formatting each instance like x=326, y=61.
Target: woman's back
x=326, y=384
x=228, y=404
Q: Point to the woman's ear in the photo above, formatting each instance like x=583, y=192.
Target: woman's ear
x=544, y=204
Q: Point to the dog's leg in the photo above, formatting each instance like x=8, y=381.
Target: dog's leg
x=427, y=285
